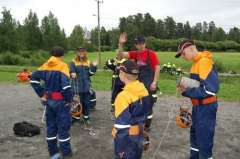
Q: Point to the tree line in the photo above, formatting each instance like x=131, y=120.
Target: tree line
x=34, y=34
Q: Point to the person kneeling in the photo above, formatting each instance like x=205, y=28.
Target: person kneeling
x=129, y=113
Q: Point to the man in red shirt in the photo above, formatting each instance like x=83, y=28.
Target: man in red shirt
x=148, y=63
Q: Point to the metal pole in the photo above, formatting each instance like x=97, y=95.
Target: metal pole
x=99, y=34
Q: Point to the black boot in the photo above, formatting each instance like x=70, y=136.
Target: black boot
x=147, y=125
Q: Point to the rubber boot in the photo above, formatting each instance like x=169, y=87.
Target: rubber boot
x=147, y=125
x=56, y=156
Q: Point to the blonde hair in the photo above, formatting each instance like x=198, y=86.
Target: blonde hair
x=85, y=58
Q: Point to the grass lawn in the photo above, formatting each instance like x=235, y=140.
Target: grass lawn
x=230, y=61
x=102, y=80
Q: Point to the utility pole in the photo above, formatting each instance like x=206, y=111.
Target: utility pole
x=99, y=31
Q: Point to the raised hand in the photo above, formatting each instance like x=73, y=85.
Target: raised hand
x=95, y=63
x=123, y=38
x=73, y=75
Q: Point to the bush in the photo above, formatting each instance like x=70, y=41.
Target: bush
x=37, y=59
x=12, y=59
x=220, y=67
x=90, y=47
x=23, y=58
x=162, y=45
x=171, y=45
x=106, y=48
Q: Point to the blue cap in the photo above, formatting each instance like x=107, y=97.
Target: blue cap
x=139, y=39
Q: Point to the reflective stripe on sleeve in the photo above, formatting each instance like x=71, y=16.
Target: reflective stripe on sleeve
x=66, y=87
x=35, y=82
x=208, y=92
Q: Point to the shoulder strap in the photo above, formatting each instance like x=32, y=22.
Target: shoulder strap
x=148, y=57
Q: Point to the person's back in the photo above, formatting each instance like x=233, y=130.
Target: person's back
x=56, y=96
x=131, y=97
x=129, y=114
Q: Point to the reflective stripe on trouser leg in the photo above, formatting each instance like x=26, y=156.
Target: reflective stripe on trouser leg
x=194, y=151
x=148, y=121
x=85, y=117
x=206, y=115
x=52, y=145
x=148, y=108
x=150, y=116
x=51, y=130
x=64, y=124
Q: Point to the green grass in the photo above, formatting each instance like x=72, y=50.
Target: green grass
x=15, y=69
x=102, y=80
x=7, y=77
x=230, y=61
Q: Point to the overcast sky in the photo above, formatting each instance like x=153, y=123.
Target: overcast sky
x=225, y=13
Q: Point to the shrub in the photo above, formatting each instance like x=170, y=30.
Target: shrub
x=90, y=47
x=171, y=45
x=106, y=48
x=220, y=67
x=23, y=58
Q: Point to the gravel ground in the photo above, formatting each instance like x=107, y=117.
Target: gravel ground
x=19, y=103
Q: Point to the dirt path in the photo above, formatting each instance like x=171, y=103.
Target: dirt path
x=19, y=102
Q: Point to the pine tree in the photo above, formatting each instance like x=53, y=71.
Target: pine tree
x=32, y=32
x=8, y=32
x=76, y=38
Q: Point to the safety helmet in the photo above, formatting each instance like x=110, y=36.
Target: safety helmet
x=179, y=69
x=76, y=108
x=184, y=119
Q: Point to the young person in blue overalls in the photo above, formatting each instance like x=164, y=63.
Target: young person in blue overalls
x=81, y=69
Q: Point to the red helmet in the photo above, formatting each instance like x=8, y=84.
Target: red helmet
x=184, y=119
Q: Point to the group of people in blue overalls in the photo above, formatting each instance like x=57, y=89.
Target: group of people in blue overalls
x=134, y=87
x=57, y=95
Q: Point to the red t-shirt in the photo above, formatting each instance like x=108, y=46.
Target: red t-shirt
x=141, y=57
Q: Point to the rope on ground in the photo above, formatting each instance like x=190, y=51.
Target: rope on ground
x=170, y=116
x=44, y=113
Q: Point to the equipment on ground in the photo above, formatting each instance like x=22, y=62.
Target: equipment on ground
x=24, y=128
